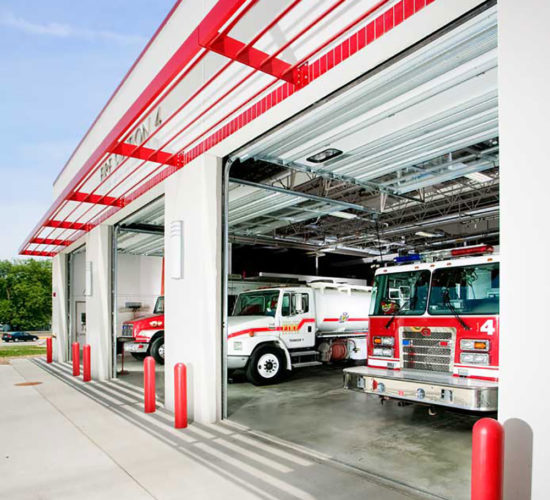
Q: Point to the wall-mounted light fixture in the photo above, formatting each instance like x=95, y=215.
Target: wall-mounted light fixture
x=88, y=279
x=176, y=250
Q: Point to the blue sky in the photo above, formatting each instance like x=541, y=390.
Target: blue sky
x=60, y=62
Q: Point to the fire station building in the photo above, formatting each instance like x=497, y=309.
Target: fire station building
x=260, y=144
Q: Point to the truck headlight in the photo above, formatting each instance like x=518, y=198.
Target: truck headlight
x=474, y=358
x=474, y=345
x=237, y=346
x=383, y=352
x=385, y=341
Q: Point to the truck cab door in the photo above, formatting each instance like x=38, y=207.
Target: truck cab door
x=297, y=319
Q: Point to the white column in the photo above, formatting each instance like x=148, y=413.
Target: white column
x=59, y=307
x=193, y=302
x=98, y=301
x=524, y=76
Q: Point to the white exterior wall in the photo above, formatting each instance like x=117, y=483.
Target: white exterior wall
x=138, y=280
x=193, y=330
x=524, y=110
x=98, y=303
x=60, y=327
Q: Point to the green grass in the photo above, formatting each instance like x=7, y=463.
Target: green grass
x=24, y=350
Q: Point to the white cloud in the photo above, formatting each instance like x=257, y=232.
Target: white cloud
x=66, y=30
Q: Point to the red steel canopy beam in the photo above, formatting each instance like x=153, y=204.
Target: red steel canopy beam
x=238, y=51
x=148, y=154
x=37, y=253
x=96, y=199
x=50, y=241
x=77, y=226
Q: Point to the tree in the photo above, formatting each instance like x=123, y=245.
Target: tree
x=25, y=293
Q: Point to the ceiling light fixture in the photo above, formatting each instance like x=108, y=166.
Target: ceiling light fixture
x=426, y=234
x=344, y=215
x=325, y=155
x=479, y=177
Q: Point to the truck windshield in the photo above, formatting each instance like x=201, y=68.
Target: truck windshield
x=257, y=303
x=467, y=290
x=159, y=306
x=403, y=293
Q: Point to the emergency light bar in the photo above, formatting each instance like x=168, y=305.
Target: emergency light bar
x=444, y=254
x=480, y=249
x=412, y=257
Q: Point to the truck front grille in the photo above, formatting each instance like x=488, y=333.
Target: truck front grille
x=127, y=331
x=431, y=351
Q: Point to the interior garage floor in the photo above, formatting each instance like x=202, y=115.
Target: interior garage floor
x=311, y=408
x=134, y=374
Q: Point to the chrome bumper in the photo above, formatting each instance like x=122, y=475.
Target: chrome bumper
x=424, y=387
x=138, y=347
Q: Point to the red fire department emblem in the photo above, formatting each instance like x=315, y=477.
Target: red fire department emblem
x=425, y=332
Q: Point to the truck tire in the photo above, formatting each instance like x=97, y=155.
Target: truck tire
x=140, y=356
x=157, y=350
x=266, y=366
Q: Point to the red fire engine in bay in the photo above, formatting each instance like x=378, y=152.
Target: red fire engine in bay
x=434, y=331
x=144, y=336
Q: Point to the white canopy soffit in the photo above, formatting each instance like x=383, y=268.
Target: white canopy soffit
x=244, y=58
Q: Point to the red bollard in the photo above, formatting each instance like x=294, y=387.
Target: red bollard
x=180, y=396
x=76, y=359
x=487, y=460
x=49, y=350
x=86, y=359
x=149, y=384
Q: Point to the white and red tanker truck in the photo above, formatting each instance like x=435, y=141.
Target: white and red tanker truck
x=434, y=332
x=274, y=330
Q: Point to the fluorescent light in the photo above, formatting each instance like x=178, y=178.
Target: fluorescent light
x=479, y=177
x=344, y=215
x=426, y=234
x=325, y=155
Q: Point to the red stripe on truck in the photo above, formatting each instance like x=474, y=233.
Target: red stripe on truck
x=263, y=329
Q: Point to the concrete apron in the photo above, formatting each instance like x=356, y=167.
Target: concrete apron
x=311, y=408
x=94, y=441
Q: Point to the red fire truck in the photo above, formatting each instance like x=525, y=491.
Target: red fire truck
x=434, y=331
x=144, y=336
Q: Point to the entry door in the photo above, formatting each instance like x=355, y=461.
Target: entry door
x=80, y=322
x=297, y=321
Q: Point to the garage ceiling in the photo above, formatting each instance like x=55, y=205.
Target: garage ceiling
x=419, y=143
x=143, y=232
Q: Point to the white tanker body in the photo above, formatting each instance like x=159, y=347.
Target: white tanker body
x=277, y=329
x=341, y=309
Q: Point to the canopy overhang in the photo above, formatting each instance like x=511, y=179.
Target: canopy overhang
x=250, y=73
